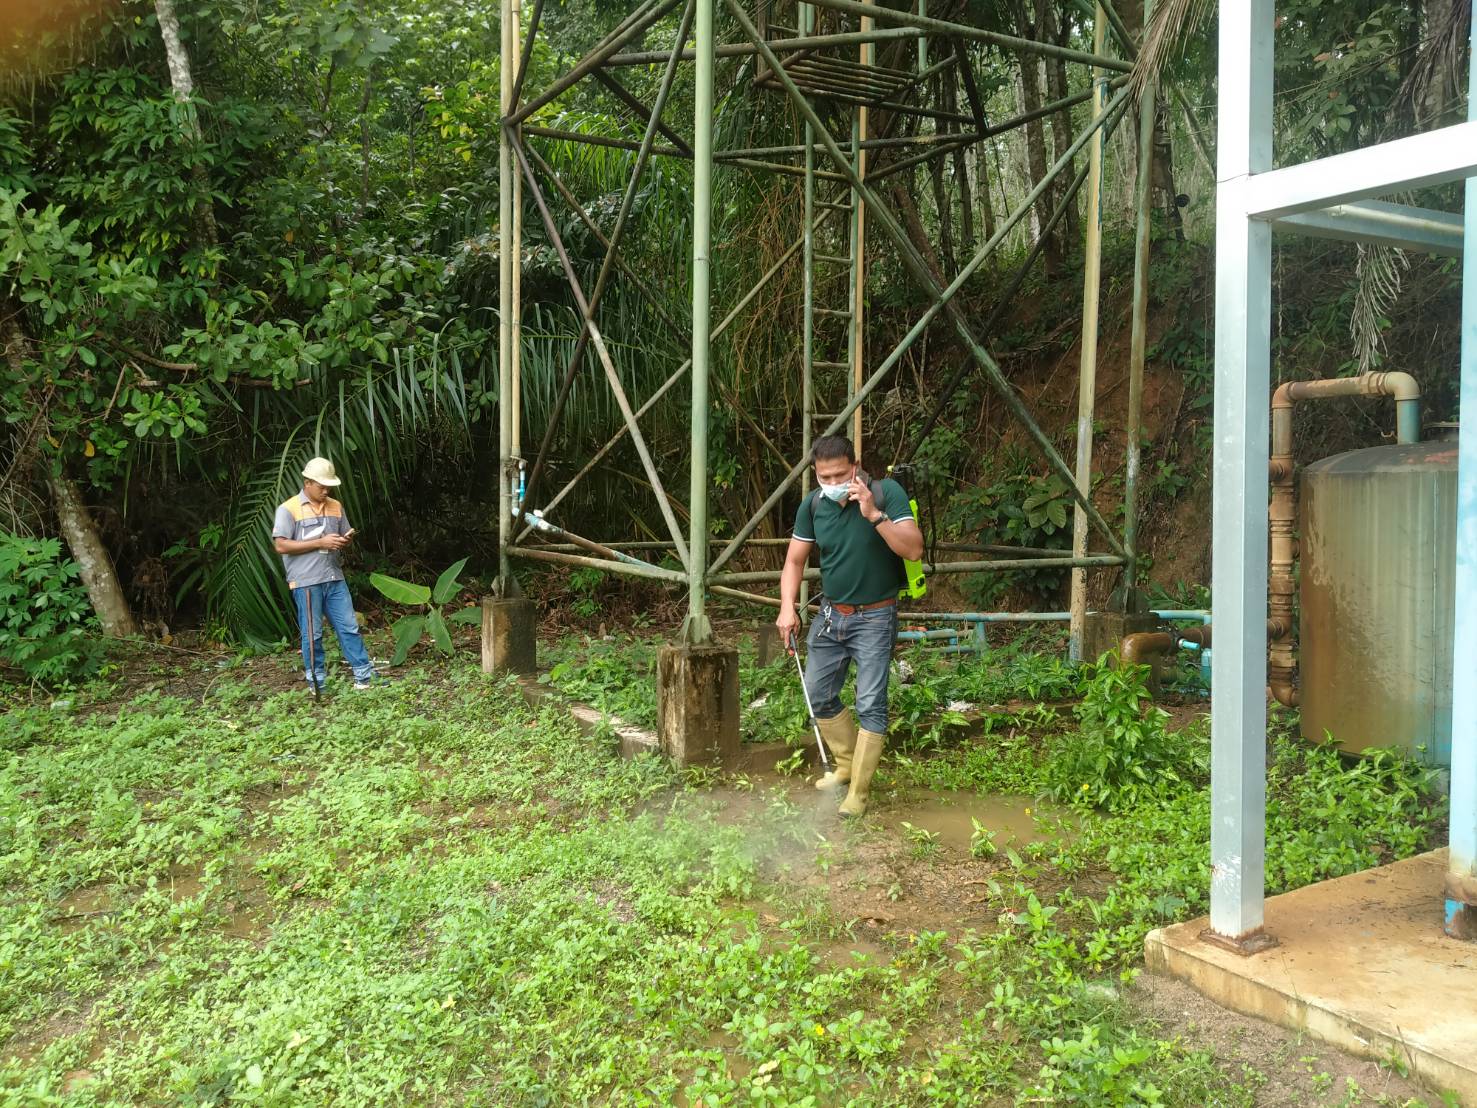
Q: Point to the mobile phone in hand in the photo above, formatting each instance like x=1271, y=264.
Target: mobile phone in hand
x=349, y=534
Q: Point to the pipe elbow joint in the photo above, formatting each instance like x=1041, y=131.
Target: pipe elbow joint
x=1285, y=693
x=1136, y=649
x=1399, y=386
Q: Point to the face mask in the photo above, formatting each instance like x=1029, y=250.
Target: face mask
x=836, y=492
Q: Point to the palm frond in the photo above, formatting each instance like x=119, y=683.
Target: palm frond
x=1435, y=84
x=1172, y=27
x=1378, y=272
x=245, y=589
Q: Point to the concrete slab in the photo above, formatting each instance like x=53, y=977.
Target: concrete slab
x=634, y=740
x=1362, y=963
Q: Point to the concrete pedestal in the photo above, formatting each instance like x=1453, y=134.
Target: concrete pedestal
x=697, y=704
x=767, y=643
x=509, y=644
x=1105, y=630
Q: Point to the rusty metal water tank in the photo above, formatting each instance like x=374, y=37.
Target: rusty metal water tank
x=1378, y=557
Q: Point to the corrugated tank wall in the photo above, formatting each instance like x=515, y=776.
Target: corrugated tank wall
x=1377, y=559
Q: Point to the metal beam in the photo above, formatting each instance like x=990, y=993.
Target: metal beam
x=748, y=50
x=642, y=18
x=1003, y=303
x=1138, y=342
x=978, y=34
x=527, y=56
x=940, y=297
x=1001, y=565
x=651, y=401
x=1092, y=277
x=1378, y=223
x=931, y=312
x=1243, y=332
x=628, y=198
x=628, y=569
x=1433, y=158
x=630, y=100
x=505, y=300
x=696, y=628
x=637, y=439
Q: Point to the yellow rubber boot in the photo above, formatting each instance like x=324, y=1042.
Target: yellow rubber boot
x=839, y=734
x=864, y=764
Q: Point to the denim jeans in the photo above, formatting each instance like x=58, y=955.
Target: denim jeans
x=834, y=642
x=331, y=599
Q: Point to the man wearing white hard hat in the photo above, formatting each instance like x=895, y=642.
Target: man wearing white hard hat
x=309, y=532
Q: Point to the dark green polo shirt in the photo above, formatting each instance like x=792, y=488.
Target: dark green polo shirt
x=857, y=565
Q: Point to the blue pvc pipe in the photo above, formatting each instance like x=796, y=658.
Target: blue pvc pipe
x=1407, y=421
x=1199, y=615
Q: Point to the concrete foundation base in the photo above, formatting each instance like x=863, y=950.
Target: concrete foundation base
x=633, y=740
x=1103, y=631
x=1361, y=962
x=509, y=642
x=697, y=704
x=767, y=643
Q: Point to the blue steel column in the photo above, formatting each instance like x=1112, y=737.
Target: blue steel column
x=1461, y=874
x=1243, y=296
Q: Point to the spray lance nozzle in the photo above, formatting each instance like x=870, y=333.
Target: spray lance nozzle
x=820, y=744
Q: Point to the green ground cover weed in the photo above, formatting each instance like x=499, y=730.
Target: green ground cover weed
x=431, y=892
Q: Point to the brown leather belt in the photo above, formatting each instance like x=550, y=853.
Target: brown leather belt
x=853, y=609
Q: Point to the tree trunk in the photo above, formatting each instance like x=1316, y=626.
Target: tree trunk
x=982, y=172
x=961, y=176
x=1030, y=96
x=902, y=200
x=1056, y=29
x=183, y=84
x=80, y=533
x=98, y=575
x=973, y=153
x=1162, y=177
x=942, y=203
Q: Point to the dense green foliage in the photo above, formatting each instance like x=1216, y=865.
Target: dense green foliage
x=301, y=258
x=45, y=617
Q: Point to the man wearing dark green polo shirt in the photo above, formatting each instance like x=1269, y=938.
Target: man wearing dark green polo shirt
x=864, y=529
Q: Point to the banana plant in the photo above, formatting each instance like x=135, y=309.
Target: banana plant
x=408, y=629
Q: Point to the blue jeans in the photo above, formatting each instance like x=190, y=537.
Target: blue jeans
x=834, y=642
x=331, y=599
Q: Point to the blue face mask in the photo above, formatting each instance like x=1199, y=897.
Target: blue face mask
x=838, y=491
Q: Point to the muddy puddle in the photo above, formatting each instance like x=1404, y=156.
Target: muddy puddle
x=951, y=816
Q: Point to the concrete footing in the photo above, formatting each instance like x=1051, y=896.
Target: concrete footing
x=697, y=704
x=1361, y=962
x=509, y=641
x=1103, y=631
x=767, y=643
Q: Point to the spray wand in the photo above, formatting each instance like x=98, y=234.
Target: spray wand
x=794, y=647
x=312, y=654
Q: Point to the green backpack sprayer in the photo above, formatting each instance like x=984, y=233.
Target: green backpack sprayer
x=916, y=584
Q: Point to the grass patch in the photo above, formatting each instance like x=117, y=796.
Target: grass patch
x=431, y=892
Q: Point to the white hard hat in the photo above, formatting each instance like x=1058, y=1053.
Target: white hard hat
x=321, y=470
